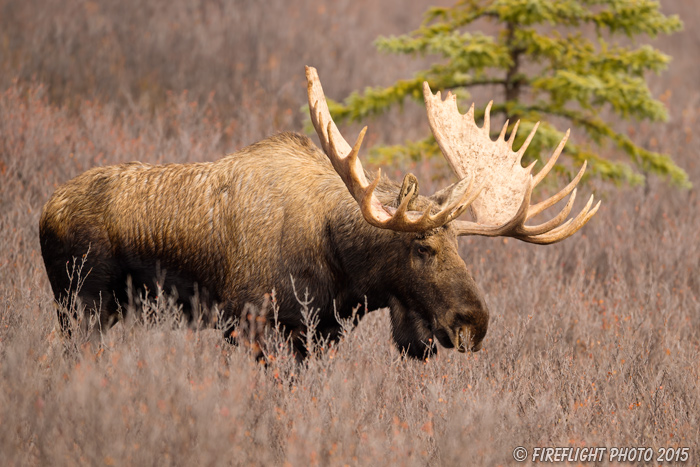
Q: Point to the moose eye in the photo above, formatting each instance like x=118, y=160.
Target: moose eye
x=423, y=250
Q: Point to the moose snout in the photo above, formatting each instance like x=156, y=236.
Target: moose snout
x=470, y=336
x=464, y=339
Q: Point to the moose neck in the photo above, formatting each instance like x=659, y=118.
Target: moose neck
x=365, y=258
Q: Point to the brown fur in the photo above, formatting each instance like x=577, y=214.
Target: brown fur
x=235, y=229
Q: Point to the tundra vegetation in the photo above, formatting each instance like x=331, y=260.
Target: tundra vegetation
x=593, y=341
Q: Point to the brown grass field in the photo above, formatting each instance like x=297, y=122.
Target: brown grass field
x=593, y=342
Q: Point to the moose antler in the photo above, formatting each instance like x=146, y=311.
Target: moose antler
x=503, y=206
x=346, y=163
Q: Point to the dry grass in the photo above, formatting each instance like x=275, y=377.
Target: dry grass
x=593, y=342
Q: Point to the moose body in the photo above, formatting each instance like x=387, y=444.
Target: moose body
x=284, y=215
x=233, y=230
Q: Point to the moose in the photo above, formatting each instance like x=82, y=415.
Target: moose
x=282, y=214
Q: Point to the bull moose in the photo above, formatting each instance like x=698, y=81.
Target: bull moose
x=283, y=211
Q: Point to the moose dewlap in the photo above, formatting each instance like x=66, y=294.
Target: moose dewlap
x=282, y=214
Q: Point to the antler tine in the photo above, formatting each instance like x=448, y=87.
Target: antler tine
x=347, y=164
x=503, y=206
x=319, y=113
x=541, y=206
x=487, y=116
x=553, y=222
x=552, y=160
x=503, y=130
x=527, y=142
x=511, y=139
x=567, y=229
x=399, y=214
x=401, y=217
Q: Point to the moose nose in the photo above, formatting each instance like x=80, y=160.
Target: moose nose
x=470, y=336
x=464, y=340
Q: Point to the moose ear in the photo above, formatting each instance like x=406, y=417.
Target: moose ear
x=409, y=187
x=447, y=195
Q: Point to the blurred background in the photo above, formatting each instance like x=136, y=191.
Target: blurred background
x=242, y=62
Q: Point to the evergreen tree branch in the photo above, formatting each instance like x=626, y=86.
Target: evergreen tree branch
x=548, y=57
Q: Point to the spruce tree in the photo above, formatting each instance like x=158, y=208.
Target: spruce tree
x=553, y=60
